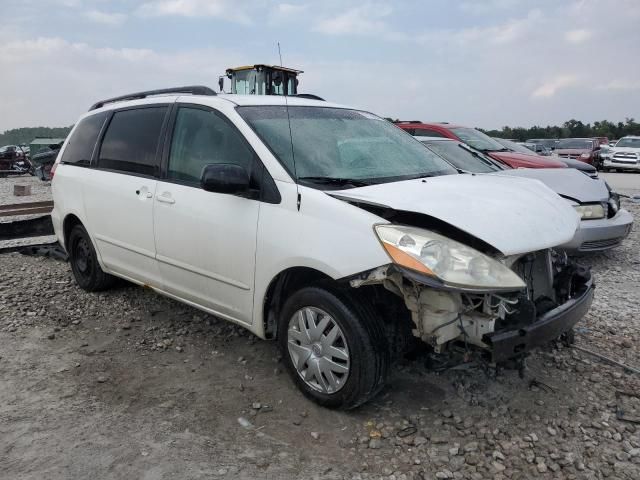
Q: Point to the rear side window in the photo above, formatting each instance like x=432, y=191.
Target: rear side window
x=131, y=141
x=79, y=149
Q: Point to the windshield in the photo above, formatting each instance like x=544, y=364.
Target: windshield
x=629, y=142
x=335, y=143
x=460, y=156
x=547, y=142
x=513, y=146
x=575, y=143
x=477, y=139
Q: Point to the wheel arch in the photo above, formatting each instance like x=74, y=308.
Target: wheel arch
x=282, y=285
x=70, y=221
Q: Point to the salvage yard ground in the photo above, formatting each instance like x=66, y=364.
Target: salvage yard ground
x=128, y=384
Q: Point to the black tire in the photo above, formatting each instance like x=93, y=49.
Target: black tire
x=84, y=262
x=364, y=334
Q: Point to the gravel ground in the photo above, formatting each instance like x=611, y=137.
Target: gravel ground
x=128, y=384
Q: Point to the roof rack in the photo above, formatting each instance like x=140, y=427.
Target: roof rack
x=193, y=90
x=310, y=96
x=407, y=121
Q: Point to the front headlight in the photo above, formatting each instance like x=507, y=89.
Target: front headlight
x=584, y=155
x=590, y=212
x=448, y=261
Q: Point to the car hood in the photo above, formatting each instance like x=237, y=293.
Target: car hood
x=568, y=182
x=523, y=160
x=625, y=149
x=514, y=215
x=572, y=151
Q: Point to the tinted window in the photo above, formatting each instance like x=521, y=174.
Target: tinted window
x=200, y=138
x=79, y=149
x=421, y=132
x=131, y=141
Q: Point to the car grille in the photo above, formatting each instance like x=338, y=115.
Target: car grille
x=600, y=244
x=625, y=157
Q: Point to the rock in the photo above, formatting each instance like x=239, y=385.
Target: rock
x=245, y=423
x=256, y=405
x=552, y=431
x=472, y=459
x=542, y=467
x=444, y=474
x=51, y=336
x=471, y=447
x=101, y=379
x=374, y=443
x=419, y=440
x=315, y=435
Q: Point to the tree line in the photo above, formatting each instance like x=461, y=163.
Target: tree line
x=19, y=136
x=569, y=129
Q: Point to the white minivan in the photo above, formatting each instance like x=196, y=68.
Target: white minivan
x=324, y=227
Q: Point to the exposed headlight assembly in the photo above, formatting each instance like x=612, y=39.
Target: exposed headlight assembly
x=592, y=211
x=451, y=263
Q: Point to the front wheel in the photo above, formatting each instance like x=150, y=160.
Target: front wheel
x=334, y=346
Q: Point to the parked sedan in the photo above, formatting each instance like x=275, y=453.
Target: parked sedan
x=479, y=141
x=584, y=149
x=604, y=224
x=569, y=162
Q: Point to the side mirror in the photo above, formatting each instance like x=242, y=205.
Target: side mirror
x=225, y=178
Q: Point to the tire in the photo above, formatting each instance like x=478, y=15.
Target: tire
x=360, y=336
x=84, y=262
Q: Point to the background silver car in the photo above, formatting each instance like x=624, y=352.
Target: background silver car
x=604, y=224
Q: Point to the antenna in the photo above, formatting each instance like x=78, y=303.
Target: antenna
x=293, y=153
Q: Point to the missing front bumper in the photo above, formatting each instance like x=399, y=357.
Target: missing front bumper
x=509, y=344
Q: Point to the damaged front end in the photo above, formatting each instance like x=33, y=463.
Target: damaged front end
x=501, y=323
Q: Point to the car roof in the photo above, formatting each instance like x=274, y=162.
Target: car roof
x=240, y=100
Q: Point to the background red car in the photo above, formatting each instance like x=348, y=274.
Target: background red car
x=479, y=141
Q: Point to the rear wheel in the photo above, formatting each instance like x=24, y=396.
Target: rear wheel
x=84, y=262
x=334, y=346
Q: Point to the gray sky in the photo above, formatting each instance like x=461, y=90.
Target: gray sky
x=484, y=63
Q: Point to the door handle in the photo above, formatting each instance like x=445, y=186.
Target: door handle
x=165, y=198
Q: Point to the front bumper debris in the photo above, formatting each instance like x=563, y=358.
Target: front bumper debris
x=508, y=344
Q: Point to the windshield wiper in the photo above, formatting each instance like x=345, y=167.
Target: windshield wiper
x=335, y=181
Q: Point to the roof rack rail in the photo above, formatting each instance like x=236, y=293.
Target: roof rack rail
x=407, y=121
x=193, y=90
x=310, y=96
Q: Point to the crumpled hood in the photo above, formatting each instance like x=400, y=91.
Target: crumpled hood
x=567, y=182
x=514, y=215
